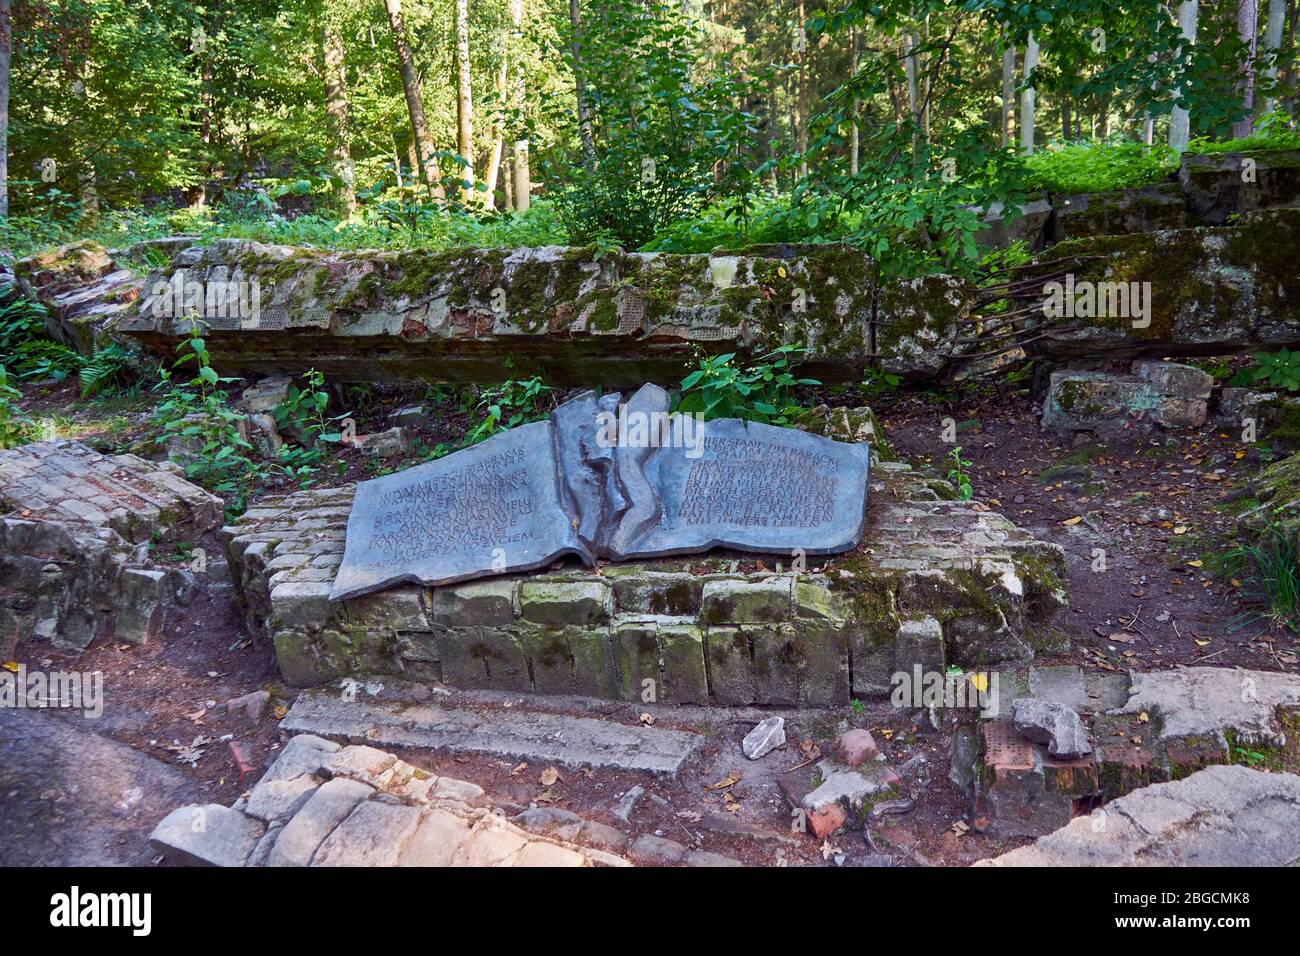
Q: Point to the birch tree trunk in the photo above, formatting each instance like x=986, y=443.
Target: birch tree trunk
x=522, y=185
x=1180, y=124
x=1008, y=96
x=579, y=86
x=1273, y=44
x=1247, y=12
x=1028, y=99
x=854, y=146
x=464, y=103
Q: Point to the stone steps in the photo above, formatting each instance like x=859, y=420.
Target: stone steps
x=518, y=734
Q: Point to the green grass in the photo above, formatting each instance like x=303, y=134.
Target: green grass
x=1278, y=139
x=1274, y=588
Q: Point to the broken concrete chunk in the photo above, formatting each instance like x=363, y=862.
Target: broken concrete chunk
x=1053, y=724
x=764, y=738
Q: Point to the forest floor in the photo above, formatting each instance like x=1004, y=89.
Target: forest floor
x=1159, y=505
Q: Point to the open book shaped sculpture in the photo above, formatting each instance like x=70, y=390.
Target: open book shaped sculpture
x=604, y=479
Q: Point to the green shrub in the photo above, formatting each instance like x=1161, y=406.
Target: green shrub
x=14, y=428
x=511, y=403
x=1276, y=370
x=197, y=410
x=763, y=392
x=1273, y=566
x=109, y=368
x=1099, y=167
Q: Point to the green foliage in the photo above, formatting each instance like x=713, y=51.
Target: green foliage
x=1277, y=370
x=109, y=368
x=197, y=411
x=14, y=427
x=303, y=412
x=514, y=402
x=28, y=353
x=1099, y=167
x=762, y=392
x=666, y=132
x=770, y=219
x=958, y=475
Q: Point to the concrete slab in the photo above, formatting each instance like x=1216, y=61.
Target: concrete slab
x=1219, y=816
x=71, y=797
x=1206, y=701
x=533, y=736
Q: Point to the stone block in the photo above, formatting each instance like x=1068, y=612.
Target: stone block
x=737, y=601
x=478, y=603
x=483, y=657
x=208, y=835
x=559, y=603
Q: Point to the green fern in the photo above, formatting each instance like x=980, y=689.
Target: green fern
x=110, y=365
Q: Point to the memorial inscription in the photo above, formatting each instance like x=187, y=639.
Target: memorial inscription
x=549, y=489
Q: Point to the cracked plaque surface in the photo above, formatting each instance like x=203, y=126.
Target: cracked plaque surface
x=603, y=478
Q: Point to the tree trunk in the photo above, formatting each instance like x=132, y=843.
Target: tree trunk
x=1065, y=120
x=801, y=111
x=523, y=187
x=909, y=68
x=336, y=109
x=1180, y=125
x=464, y=103
x=579, y=87
x=854, y=145
x=423, y=145
x=1027, y=99
x=6, y=54
x=1273, y=44
x=1247, y=13
x=1008, y=96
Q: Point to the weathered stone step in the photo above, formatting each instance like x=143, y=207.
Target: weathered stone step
x=1219, y=816
x=517, y=734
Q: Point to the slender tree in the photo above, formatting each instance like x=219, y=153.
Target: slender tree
x=1247, y=14
x=579, y=87
x=464, y=101
x=1008, y=95
x=336, y=109
x=1180, y=126
x=6, y=54
x=1273, y=44
x=421, y=144
x=523, y=187
x=1028, y=97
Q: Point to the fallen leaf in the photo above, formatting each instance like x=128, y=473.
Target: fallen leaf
x=730, y=780
x=548, y=777
x=518, y=769
x=1075, y=520
x=1144, y=717
x=646, y=719
x=1181, y=529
